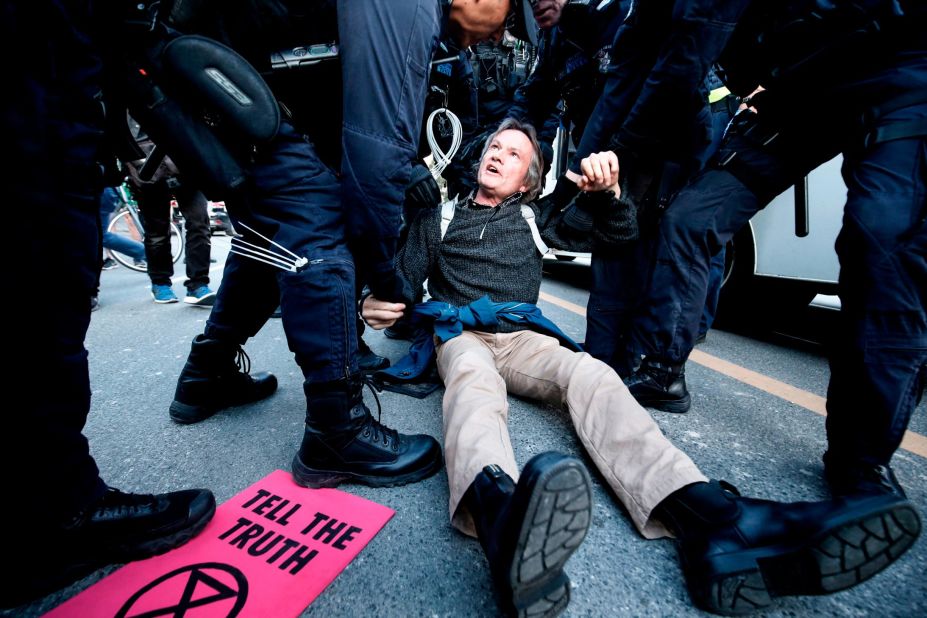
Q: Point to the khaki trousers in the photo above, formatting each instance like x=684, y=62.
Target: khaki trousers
x=641, y=466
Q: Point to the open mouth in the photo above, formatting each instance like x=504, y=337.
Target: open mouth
x=492, y=169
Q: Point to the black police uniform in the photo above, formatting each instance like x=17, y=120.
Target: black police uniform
x=870, y=83
x=652, y=111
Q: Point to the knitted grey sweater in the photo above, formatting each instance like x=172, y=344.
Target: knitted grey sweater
x=486, y=251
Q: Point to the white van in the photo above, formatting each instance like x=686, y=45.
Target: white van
x=768, y=267
x=767, y=263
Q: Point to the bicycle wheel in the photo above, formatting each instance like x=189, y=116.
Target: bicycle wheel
x=177, y=242
x=123, y=225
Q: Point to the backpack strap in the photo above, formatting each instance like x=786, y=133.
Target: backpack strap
x=528, y=213
x=449, y=207
x=447, y=215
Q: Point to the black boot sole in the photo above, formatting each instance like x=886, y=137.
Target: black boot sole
x=187, y=413
x=845, y=554
x=556, y=520
x=314, y=478
x=675, y=406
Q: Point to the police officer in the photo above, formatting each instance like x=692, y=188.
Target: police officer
x=653, y=112
x=570, y=73
x=571, y=56
x=335, y=222
x=68, y=522
x=867, y=61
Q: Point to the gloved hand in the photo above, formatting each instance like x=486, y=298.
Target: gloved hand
x=423, y=191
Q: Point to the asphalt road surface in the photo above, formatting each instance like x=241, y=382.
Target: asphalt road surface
x=755, y=422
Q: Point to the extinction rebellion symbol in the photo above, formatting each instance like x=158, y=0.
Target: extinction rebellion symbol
x=187, y=588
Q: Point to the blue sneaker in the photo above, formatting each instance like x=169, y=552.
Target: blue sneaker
x=163, y=294
x=200, y=297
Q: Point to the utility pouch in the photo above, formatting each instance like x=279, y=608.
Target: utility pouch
x=228, y=91
x=193, y=146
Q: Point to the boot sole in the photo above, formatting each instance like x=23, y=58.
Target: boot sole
x=675, y=406
x=187, y=414
x=304, y=476
x=556, y=522
x=839, y=558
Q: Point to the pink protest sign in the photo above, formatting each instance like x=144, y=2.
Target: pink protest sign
x=269, y=551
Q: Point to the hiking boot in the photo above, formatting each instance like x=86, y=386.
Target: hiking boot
x=200, y=297
x=343, y=443
x=529, y=531
x=369, y=361
x=737, y=553
x=660, y=386
x=120, y=528
x=217, y=376
x=163, y=294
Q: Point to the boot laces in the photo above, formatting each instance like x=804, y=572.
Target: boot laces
x=243, y=361
x=379, y=431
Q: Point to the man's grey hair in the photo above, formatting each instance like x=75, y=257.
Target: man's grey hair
x=534, y=178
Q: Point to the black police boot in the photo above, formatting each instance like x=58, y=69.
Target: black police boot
x=215, y=377
x=660, y=386
x=529, y=531
x=120, y=528
x=343, y=443
x=369, y=361
x=848, y=479
x=737, y=553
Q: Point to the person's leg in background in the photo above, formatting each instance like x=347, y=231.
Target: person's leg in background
x=879, y=365
x=109, y=201
x=367, y=359
x=722, y=111
x=198, y=245
x=702, y=217
x=154, y=205
x=619, y=279
x=710, y=310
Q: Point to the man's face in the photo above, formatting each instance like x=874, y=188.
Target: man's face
x=473, y=21
x=504, y=167
x=547, y=12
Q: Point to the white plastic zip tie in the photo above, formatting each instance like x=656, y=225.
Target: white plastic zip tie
x=300, y=261
x=268, y=258
x=443, y=159
x=265, y=255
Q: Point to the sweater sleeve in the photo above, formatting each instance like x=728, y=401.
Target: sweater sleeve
x=417, y=256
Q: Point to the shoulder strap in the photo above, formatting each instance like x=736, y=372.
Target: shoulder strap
x=528, y=213
x=447, y=215
x=449, y=207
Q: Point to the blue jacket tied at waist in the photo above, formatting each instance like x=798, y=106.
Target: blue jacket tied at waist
x=448, y=321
